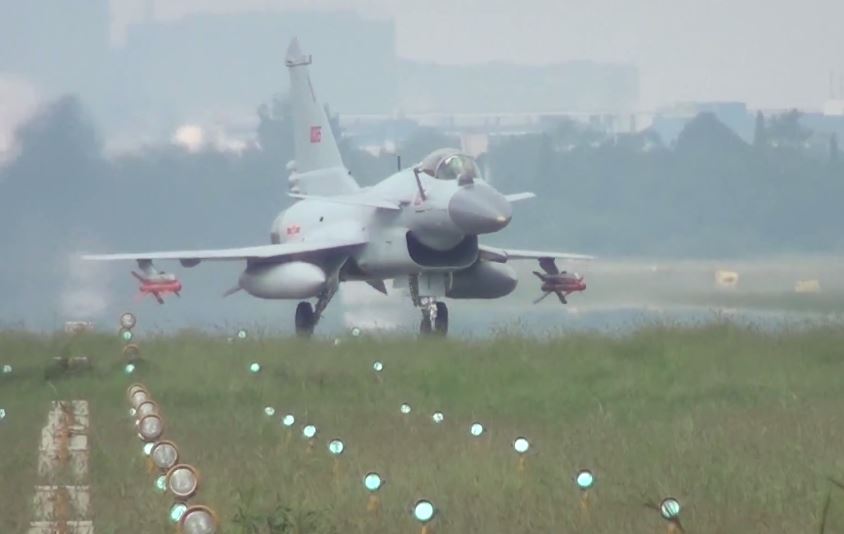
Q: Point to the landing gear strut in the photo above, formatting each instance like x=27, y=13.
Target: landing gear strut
x=307, y=316
x=434, y=318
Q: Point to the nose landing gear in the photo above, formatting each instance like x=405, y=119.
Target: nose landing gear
x=434, y=318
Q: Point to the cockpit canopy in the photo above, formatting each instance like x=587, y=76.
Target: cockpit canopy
x=449, y=164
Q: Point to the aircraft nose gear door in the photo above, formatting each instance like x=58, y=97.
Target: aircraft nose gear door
x=425, y=289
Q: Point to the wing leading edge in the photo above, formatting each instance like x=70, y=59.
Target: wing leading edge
x=502, y=255
x=261, y=252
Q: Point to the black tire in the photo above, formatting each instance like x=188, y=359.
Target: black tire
x=305, y=319
x=441, y=322
x=425, y=326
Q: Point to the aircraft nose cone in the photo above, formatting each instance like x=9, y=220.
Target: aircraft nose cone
x=479, y=209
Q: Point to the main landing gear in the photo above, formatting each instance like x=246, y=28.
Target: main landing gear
x=307, y=316
x=434, y=318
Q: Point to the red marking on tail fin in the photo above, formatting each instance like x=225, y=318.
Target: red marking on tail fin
x=316, y=134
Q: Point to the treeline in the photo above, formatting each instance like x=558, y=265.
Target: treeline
x=709, y=194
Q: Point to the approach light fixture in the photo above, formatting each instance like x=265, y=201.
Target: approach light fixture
x=182, y=481
x=405, y=408
x=254, y=367
x=131, y=390
x=139, y=396
x=129, y=368
x=199, y=520
x=269, y=411
x=424, y=511
x=148, y=407
x=336, y=447
x=377, y=366
x=177, y=511
x=476, y=429
x=148, y=448
x=356, y=331
x=372, y=481
x=161, y=484
x=241, y=334
x=669, y=509
x=7, y=369
x=150, y=427
x=132, y=352
x=309, y=432
x=438, y=417
x=2, y=413
x=288, y=420
x=521, y=445
x=584, y=479
x=126, y=335
x=164, y=455
x=127, y=321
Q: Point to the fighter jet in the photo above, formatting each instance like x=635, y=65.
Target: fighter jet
x=419, y=227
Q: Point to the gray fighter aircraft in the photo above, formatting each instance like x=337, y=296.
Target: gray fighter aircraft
x=418, y=227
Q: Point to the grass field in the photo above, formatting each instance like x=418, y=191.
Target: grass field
x=742, y=426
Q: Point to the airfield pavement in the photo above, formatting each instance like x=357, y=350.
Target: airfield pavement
x=743, y=426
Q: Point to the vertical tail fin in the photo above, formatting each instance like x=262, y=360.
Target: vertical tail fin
x=316, y=148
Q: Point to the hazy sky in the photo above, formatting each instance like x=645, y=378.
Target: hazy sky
x=771, y=53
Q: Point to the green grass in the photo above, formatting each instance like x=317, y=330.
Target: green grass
x=742, y=426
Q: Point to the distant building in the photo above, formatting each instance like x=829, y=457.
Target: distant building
x=578, y=86
x=214, y=70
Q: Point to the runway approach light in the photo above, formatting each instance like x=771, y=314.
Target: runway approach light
x=199, y=520
x=669, y=509
x=356, y=331
x=241, y=334
x=584, y=479
x=126, y=335
x=309, y=432
x=288, y=420
x=132, y=412
x=438, y=417
x=254, y=367
x=424, y=511
x=177, y=511
x=405, y=408
x=150, y=427
x=161, y=484
x=2, y=413
x=129, y=369
x=132, y=352
x=134, y=388
x=336, y=447
x=146, y=408
x=372, y=482
x=148, y=448
x=377, y=367
x=521, y=445
x=182, y=481
x=476, y=430
x=139, y=396
x=165, y=455
x=269, y=411
x=7, y=369
x=127, y=321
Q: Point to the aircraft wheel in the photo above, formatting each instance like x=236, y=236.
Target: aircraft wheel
x=441, y=322
x=305, y=319
x=425, y=326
